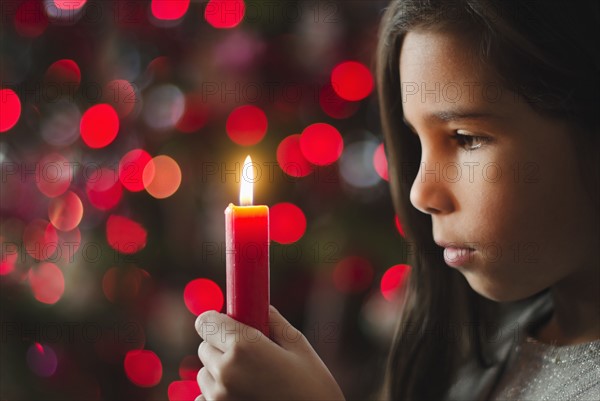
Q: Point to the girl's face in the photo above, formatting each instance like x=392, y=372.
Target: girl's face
x=495, y=176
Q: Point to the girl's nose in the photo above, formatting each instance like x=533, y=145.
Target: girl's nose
x=430, y=193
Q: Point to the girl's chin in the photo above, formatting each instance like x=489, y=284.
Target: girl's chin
x=495, y=291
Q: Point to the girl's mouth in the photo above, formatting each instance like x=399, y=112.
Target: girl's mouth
x=456, y=257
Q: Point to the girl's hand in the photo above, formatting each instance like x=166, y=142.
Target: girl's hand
x=242, y=363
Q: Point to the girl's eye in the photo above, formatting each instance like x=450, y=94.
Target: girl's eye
x=468, y=141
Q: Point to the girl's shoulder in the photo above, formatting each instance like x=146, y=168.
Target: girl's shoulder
x=510, y=327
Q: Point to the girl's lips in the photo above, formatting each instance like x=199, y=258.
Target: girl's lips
x=456, y=257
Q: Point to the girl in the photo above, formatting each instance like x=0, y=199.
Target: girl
x=489, y=116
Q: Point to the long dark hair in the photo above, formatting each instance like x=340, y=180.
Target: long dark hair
x=543, y=51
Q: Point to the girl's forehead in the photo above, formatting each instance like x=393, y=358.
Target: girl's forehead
x=442, y=57
x=438, y=72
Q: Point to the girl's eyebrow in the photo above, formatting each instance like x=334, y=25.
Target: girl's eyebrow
x=446, y=116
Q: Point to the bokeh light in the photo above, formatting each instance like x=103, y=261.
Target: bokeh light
x=99, y=126
x=121, y=95
x=69, y=4
x=64, y=11
x=287, y=223
x=10, y=109
x=30, y=19
x=131, y=169
x=321, y=144
x=246, y=125
x=143, y=368
x=103, y=189
x=290, y=157
x=40, y=239
x=8, y=257
x=60, y=125
x=183, y=390
x=163, y=107
x=393, y=279
x=353, y=274
x=63, y=74
x=68, y=244
x=53, y=175
x=195, y=115
x=334, y=106
x=356, y=164
x=47, y=283
x=169, y=9
x=65, y=211
x=352, y=80
x=189, y=367
x=201, y=295
x=125, y=235
x=380, y=162
x=161, y=177
x=42, y=360
x=224, y=13
x=398, y=225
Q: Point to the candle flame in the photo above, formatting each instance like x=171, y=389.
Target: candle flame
x=246, y=190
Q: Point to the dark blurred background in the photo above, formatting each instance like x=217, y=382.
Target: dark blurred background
x=123, y=126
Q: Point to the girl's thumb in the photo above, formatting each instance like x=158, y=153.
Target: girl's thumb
x=283, y=333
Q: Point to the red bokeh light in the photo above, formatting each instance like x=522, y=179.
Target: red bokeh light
x=131, y=169
x=224, y=13
x=189, y=367
x=65, y=211
x=143, y=368
x=123, y=283
x=161, y=177
x=290, y=157
x=169, y=9
x=160, y=69
x=201, y=295
x=10, y=109
x=47, y=283
x=247, y=125
x=380, y=162
x=321, y=144
x=30, y=19
x=125, y=235
x=71, y=5
x=353, y=274
x=40, y=239
x=99, y=126
x=104, y=189
x=41, y=359
x=287, y=223
x=65, y=73
x=399, y=225
x=8, y=258
x=185, y=390
x=53, y=175
x=334, y=106
x=121, y=95
x=393, y=279
x=351, y=80
x=195, y=116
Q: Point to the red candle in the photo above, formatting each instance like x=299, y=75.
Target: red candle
x=247, y=251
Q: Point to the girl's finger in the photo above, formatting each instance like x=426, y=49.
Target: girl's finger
x=283, y=333
x=210, y=357
x=222, y=331
x=206, y=382
x=200, y=398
